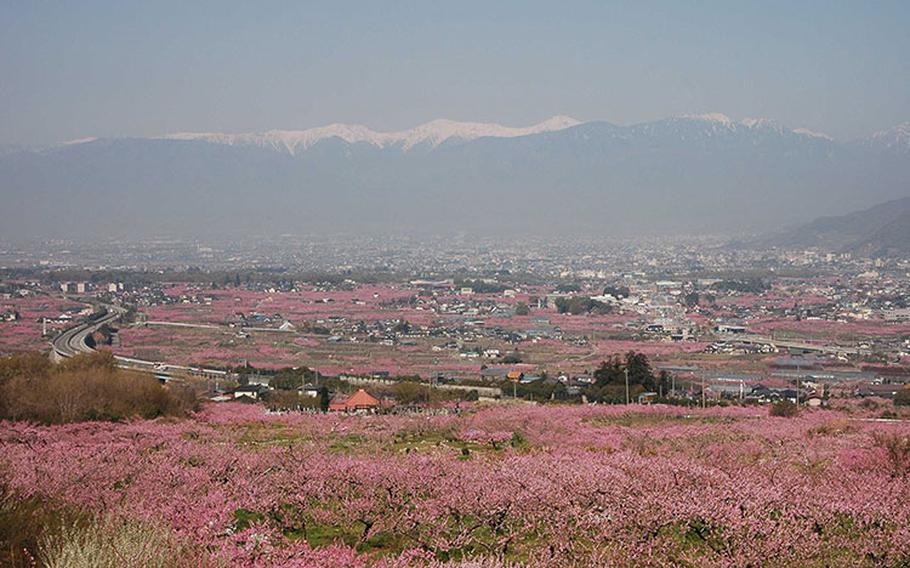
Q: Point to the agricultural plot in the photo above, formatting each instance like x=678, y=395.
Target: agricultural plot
x=25, y=333
x=503, y=486
x=220, y=314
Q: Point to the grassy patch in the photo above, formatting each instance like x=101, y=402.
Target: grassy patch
x=430, y=442
x=348, y=444
x=258, y=434
x=646, y=420
x=244, y=519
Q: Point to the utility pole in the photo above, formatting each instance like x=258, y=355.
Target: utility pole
x=626, y=372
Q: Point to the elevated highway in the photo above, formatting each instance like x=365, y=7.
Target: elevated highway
x=72, y=342
x=755, y=339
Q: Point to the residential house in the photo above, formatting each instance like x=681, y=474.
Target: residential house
x=360, y=401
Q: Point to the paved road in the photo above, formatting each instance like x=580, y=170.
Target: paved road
x=780, y=343
x=71, y=342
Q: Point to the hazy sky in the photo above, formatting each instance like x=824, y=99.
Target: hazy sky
x=84, y=68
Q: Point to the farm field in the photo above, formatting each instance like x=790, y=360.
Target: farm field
x=493, y=486
x=275, y=349
x=25, y=334
x=215, y=340
x=347, y=329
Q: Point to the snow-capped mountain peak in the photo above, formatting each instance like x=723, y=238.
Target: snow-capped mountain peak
x=895, y=138
x=762, y=123
x=812, y=134
x=719, y=122
x=80, y=141
x=717, y=117
x=432, y=133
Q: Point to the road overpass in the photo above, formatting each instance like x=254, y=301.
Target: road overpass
x=71, y=342
x=755, y=339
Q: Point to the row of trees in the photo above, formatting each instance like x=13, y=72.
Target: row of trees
x=610, y=379
x=287, y=383
x=617, y=291
x=751, y=285
x=577, y=305
x=538, y=391
x=480, y=286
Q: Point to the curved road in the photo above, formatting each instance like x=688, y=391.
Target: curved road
x=71, y=342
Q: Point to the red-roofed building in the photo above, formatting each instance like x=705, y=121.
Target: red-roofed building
x=360, y=400
x=515, y=375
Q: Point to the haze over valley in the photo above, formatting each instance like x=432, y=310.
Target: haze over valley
x=688, y=174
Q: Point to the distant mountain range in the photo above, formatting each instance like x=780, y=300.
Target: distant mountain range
x=883, y=230
x=695, y=174
x=429, y=135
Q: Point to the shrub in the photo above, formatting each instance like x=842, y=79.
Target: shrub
x=784, y=409
x=518, y=440
x=412, y=393
x=23, y=522
x=897, y=448
x=24, y=364
x=113, y=544
x=88, y=387
x=291, y=400
x=902, y=398
x=836, y=427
